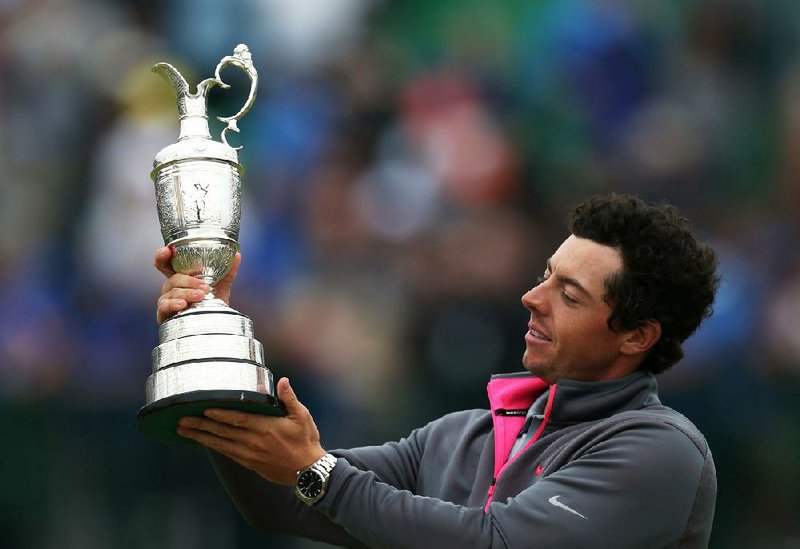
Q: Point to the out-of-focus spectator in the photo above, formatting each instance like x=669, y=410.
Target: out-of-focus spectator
x=781, y=322
x=120, y=212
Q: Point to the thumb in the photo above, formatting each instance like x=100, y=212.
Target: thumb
x=237, y=261
x=224, y=286
x=162, y=261
x=286, y=394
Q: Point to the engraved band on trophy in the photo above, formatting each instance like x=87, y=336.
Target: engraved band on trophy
x=208, y=356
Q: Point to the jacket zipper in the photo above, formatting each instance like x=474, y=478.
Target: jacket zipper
x=491, y=492
x=536, y=436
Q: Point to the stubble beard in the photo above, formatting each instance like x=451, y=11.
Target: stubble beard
x=540, y=368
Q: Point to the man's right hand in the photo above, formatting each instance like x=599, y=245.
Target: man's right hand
x=180, y=289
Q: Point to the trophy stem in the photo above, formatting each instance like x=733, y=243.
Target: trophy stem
x=209, y=301
x=212, y=293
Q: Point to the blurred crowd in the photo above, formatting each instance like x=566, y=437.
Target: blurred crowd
x=408, y=169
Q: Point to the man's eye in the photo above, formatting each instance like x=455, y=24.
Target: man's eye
x=568, y=298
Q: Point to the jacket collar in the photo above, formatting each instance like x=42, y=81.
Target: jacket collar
x=574, y=401
x=578, y=401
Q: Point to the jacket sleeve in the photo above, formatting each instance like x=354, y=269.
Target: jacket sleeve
x=270, y=507
x=636, y=488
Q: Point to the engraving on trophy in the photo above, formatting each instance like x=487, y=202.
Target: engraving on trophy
x=207, y=355
x=199, y=201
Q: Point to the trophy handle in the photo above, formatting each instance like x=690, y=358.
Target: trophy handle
x=243, y=59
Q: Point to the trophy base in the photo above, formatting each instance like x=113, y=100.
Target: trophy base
x=159, y=420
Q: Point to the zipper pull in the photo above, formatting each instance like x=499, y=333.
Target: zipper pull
x=506, y=412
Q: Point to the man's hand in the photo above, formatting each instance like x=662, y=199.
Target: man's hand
x=180, y=289
x=274, y=447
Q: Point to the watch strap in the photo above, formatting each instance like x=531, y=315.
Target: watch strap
x=325, y=464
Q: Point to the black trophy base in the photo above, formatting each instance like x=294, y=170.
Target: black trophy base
x=159, y=420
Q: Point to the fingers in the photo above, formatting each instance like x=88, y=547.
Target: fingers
x=219, y=429
x=162, y=261
x=177, y=293
x=235, y=442
x=183, y=281
x=175, y=299
x=233, y=418
x=231, y=448
x=169, y=307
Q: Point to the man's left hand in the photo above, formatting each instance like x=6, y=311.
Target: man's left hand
x=274, y=447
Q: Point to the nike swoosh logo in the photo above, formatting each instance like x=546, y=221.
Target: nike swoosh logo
x=554, y=501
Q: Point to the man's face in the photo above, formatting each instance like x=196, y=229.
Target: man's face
x=568, y=334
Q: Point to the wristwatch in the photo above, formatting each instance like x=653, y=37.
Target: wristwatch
x=312, y=482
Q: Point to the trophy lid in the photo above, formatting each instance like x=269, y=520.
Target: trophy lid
x=195, y=140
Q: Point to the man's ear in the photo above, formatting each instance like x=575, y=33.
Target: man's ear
x=641, y=339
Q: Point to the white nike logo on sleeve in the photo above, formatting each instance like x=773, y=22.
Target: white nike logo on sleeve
x=554, y=501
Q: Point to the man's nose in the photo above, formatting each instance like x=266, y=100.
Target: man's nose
x=534, y=299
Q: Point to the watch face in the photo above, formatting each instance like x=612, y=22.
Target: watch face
x=310, y=484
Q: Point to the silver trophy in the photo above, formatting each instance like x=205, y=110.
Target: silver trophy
x=208, y=356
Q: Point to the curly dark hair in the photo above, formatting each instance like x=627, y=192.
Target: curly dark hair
x=667, y=275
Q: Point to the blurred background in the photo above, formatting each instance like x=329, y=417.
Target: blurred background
x=409, y=167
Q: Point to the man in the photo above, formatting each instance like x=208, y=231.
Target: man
x=576, y=452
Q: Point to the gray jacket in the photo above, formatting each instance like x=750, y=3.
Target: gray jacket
x=608, y=467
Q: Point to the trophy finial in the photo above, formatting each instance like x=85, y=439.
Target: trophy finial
x=192, y=107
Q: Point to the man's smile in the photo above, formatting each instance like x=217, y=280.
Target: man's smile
x=536, y=334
